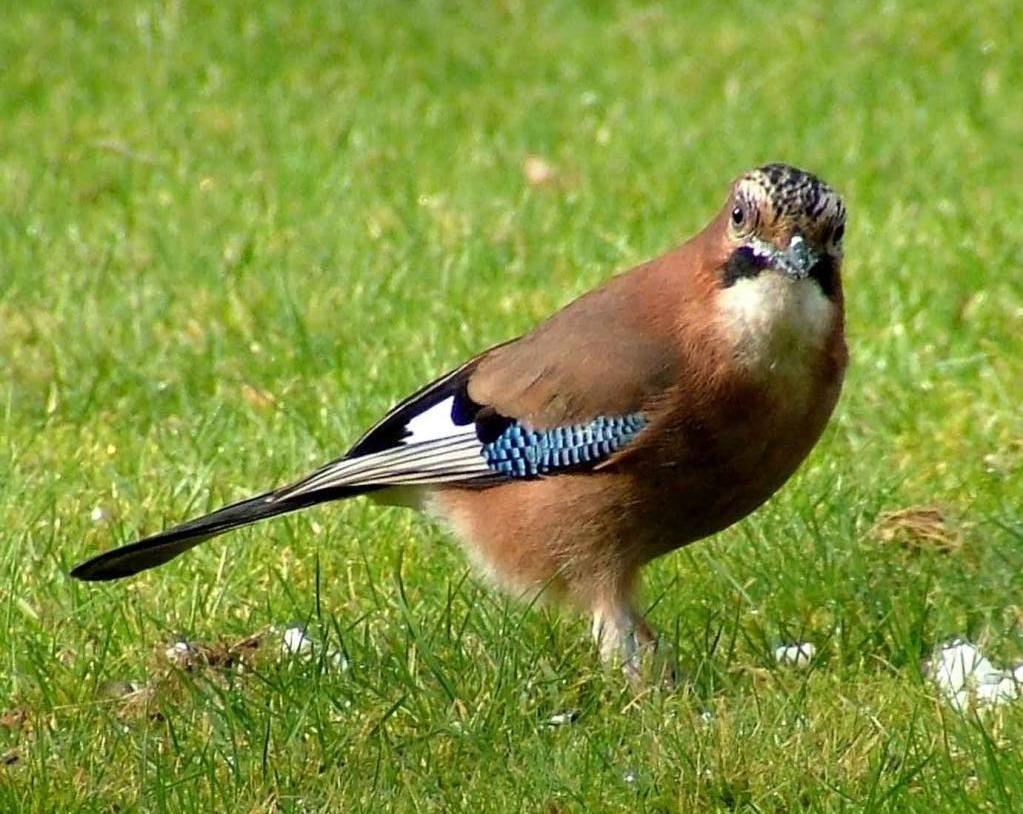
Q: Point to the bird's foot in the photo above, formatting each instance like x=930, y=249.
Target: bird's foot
x=625, y=640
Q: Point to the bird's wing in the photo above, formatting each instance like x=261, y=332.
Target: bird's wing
x=567, y=396
x=606, y=354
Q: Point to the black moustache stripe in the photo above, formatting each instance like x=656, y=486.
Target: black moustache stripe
x=742, y=263
x=824, y=272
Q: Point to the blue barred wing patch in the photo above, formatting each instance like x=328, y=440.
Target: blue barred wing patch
x=522, y=453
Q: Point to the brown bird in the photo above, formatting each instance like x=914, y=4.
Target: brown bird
x=649, y=413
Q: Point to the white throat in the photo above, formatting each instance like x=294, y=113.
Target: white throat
x=776, y=325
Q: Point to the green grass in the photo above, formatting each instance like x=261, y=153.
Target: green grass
x=232, y=234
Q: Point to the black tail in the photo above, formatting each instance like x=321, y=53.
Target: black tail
x=158, y=549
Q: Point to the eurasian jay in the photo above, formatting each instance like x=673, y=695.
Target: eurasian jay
x=649, y=413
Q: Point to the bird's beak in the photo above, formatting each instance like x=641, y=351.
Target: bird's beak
x=796, y=260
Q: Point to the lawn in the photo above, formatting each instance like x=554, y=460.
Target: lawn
x=233, y=234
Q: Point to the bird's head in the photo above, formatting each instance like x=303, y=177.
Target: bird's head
x=783, y=220
x=778, y=244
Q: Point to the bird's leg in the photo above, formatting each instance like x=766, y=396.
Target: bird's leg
x=623, y=637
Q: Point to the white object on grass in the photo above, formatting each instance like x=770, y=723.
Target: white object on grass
x=795, y=655
x=962, y=672
x=180, y=652
x=563, y=718
x=295, y=642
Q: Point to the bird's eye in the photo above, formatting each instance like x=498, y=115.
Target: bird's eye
x=838, y=234
x=738, y=216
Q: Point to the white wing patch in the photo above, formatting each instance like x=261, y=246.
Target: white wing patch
x=432, y=424
x=435, y=451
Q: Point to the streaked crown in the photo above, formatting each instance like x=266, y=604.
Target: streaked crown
x=782, y=198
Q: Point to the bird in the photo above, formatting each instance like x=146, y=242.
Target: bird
x=651, y=412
